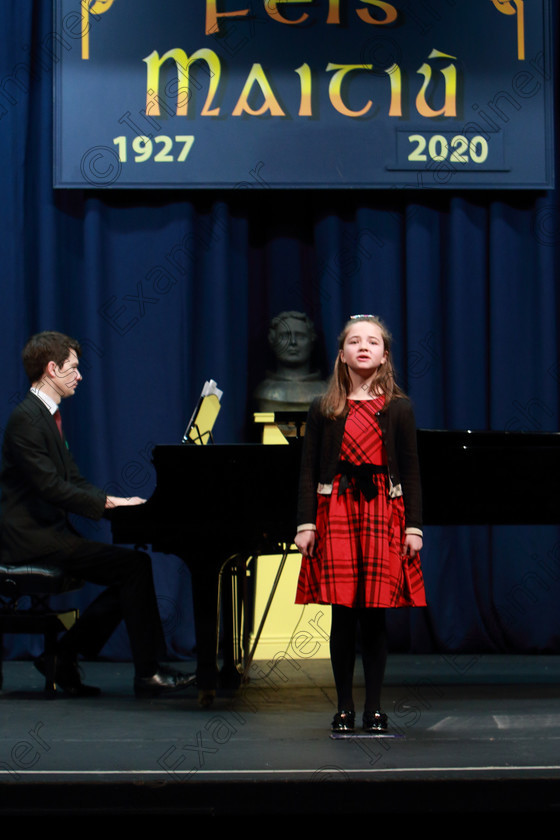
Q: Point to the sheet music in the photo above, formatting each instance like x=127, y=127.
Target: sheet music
x=199, y=429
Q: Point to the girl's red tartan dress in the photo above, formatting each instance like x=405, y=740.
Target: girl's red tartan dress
x=359, y=559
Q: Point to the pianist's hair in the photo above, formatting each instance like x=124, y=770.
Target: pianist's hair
x=334, y=401
x=46, y=347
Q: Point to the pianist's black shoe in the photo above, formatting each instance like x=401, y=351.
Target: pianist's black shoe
x=164, y=681
x=67, y=677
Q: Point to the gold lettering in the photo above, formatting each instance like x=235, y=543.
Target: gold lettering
x=334, y=11
x=389, y=10
x=182, y=63
x=506, y=7
x=271, y=7
x=93, y=7
x=394, y=73
x=212, y=15
x=305, y=106
x=258, y=77
x=449, y=73
x=335, y=88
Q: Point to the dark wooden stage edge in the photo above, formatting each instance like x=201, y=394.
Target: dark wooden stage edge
x=472, y=735
x=273, y=799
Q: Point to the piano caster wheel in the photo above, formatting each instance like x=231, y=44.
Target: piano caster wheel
x=206, y=698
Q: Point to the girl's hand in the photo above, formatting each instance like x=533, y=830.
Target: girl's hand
x=305, y=541
x=412, y=545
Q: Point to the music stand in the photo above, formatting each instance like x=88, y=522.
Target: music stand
x=199, y=429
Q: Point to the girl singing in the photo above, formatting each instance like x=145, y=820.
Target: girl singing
x=359, y=512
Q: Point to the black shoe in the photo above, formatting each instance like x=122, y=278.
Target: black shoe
x=206, y=698
x=164, y=681
x=67, y=677
x=343, y=722
x=374, y=722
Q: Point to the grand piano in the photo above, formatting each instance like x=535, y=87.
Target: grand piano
x=218, y=505
x=215, y=507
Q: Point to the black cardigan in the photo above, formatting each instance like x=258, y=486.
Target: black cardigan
x=321, y=450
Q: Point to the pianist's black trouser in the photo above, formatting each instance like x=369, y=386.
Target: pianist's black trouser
x=130, y=595
x=343, y=639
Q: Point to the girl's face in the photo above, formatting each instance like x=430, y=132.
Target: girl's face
x=363, y=349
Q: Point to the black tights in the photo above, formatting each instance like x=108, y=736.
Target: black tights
x=344, y=625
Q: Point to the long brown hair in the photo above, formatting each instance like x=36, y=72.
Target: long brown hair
x=334, y=400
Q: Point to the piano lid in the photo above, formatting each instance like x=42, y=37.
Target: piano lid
x=240, y=491
x=490, y=477
x=221, y=495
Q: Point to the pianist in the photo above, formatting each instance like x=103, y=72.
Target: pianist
x=40, y=485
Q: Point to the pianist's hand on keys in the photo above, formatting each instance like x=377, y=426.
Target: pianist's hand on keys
x=119, y=501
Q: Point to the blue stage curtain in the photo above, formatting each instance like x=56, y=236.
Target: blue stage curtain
x=168, y=289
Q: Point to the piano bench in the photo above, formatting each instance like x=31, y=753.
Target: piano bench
x=33, y=585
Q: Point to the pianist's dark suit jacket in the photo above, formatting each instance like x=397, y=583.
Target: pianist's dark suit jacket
x=40, y=485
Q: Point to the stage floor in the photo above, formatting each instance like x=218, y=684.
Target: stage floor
x=469, y=734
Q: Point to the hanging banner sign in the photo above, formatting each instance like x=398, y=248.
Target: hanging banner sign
x=303, y=93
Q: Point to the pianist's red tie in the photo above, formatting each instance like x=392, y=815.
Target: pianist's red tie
x=58, y=421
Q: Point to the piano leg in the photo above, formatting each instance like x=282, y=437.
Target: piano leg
x=206, y=582
x=233, y=613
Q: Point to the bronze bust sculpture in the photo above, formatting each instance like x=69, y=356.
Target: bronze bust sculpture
x=294, y=384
